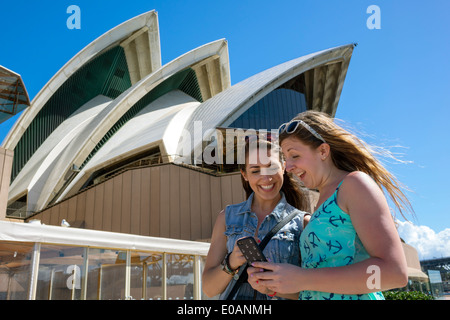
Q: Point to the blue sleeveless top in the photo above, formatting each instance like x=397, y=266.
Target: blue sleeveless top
x=330, y=240
x=284, y=247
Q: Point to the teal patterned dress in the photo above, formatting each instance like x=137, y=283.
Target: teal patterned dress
x=330, y=240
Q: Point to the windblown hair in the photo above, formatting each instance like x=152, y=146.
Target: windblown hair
x=296, y=195
x=350, y=153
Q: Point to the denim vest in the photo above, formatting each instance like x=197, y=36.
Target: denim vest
x=282, y=248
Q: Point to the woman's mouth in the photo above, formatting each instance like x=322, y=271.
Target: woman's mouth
x=301, y=175
x=268, y=187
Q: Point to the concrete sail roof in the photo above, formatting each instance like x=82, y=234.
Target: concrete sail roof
x=224, y=108
x=49, y=174
x=79, y=147
x=37, y=169
x=109, y=39
x=158, y=124
x=89, y=139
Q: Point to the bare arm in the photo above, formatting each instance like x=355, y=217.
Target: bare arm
x=214, y=279
x=369, y=211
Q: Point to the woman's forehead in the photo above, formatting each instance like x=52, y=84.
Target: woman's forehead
x=260, y=157
x=293, y=143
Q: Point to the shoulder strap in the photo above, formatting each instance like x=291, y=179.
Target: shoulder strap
x=277, y=228
x=243, y=269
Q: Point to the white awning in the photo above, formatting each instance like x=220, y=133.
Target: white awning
x=416, y=274
x=36, y=232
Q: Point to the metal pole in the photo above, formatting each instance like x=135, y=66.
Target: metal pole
x=34, y=271
x=128, y=276
x=164, y=276
x=50, y=289
x=197, y=278
x=85, y=274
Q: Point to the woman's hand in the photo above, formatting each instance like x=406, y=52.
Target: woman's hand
x=280, y=278
x=236, y=258
x=255, y=283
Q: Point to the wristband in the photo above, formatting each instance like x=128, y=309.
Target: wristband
x=227, y=267
x=273, y=294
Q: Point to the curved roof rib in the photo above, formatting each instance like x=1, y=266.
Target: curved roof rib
x=37, y=169
x=82, y=145
x=145, y=24
x=324, y=71
x=157, y=125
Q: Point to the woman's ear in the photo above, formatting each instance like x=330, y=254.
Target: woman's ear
x=324, y=150
x=244, y=175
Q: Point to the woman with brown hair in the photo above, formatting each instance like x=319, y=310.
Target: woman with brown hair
x=272, y=195
x=350, y=248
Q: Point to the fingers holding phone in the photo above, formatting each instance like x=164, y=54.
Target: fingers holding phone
x=237, y=259
x=255, y=283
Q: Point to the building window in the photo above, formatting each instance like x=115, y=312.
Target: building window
x=277, y=107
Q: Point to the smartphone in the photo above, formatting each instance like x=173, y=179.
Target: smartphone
x=250, y=250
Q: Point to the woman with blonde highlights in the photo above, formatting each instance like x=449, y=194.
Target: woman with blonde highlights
x=350, y=249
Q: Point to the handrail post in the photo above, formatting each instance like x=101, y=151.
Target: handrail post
x=34, y=271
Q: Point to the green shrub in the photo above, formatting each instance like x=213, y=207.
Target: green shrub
x=406, y=295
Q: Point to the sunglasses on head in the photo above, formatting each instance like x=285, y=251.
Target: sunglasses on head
x=291, y=126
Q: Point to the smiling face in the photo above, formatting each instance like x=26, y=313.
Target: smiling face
x=265, y=177
x=304, y=161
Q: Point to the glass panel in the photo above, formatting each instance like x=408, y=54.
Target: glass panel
x=106, y=274
x=278, y=106
x=60, y=273
x=15, y=270
x=146, y=266
x=202, y=267
x=180, y=277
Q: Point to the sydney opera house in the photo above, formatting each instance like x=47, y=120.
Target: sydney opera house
x=113, y=124
x=119, y=147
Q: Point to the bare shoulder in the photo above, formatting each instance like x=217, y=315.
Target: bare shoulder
x=358, y=180
x=220, y=220
x=359, y=187
x=218, y=236
x=221, y=215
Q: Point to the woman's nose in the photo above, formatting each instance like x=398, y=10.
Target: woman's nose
x=289, y=166
x=267, y=177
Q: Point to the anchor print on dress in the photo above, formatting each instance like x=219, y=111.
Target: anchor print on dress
x=350, y=259
x=330, y=297
x=307, y=296
x=313, y=239
x=331, y=246
x=332, y=220
x=316, y=264
x=322, y=209
x=306, y=247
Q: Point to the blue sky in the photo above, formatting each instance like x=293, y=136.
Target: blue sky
x=396, y=92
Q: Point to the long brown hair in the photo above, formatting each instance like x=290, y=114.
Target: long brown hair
x=349, y=153
x=296, y=195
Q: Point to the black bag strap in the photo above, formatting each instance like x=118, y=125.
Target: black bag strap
x=243, y=276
